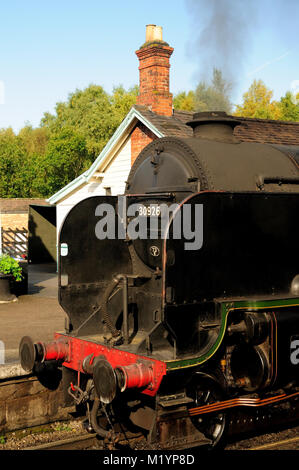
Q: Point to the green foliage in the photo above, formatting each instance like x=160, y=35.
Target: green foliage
x=66, y=158
x=213, y=97
x=38, y=162
x=19, y=166
x=184, y=101
x=62, y=427
x=288, y=108
x=12, y=157
x=257, y=103
x=9, y=265
x=34, y=141
x=206, y=97
x=92, y=113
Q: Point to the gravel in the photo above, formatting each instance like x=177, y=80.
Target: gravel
x=269, y=438
x=41, y=434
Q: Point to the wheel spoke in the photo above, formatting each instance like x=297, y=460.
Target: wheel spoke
x=211, y=425
x=207, y=396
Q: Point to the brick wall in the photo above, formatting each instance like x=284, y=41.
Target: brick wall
x=154, y=92
x=14, y=211
x=140, y=137
x=14, y=221
x=154, y=77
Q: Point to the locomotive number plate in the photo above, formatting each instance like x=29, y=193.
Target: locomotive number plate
x=149, y=211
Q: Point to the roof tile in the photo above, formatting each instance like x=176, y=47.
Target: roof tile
x=250, y=130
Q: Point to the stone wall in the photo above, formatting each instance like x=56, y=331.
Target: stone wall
x=25, y=402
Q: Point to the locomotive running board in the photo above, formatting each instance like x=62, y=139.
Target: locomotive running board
x=238, y=402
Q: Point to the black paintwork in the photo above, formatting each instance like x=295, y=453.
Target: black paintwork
x=249, y=248
x=250, y=198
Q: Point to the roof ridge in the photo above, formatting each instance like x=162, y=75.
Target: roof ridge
x=265, y=121
x=243, y=118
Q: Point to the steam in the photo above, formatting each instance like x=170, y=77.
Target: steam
x=222, y=36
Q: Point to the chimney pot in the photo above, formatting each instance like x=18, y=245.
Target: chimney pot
x=153, y=33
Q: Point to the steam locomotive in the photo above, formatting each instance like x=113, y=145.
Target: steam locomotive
x=182, y=296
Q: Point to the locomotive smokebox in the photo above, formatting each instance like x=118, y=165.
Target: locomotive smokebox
x=215, y=125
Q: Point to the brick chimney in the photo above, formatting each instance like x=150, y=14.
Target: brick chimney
x=154, y=68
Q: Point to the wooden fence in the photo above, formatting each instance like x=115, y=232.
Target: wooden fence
x=14, y=242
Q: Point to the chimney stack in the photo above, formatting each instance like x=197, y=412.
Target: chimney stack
x=154, y=68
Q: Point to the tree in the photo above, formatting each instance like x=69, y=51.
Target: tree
x=66, y=158
x=38, y=162
x=214, y=97
x=257, y=103
x=19, y=170
x=35, y=141
x=92, y=113
x=184, y=101
x=11, y=157
x=288, y=108
x=121, y=101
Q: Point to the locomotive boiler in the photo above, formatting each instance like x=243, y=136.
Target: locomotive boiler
x=182, y=296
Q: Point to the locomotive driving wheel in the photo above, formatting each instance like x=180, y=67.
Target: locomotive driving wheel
x=205, y=390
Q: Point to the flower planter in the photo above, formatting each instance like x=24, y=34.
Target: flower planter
x=20, y=287
x=10, y=271
x=6, y=295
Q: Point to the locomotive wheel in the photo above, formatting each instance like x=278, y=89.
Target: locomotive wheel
x=204, y=391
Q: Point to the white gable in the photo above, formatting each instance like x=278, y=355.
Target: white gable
x=117, y=172
x=109, y=172
x=113, y=181
x=109, y=152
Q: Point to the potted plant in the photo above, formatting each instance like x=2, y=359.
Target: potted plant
x=9, y=270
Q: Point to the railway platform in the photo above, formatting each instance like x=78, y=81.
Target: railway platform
x=37, y=314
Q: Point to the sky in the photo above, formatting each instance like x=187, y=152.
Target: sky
x=51, y=48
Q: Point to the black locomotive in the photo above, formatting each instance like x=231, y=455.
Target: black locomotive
x=183, y=295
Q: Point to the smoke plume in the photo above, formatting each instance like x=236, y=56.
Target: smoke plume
x=221, y=35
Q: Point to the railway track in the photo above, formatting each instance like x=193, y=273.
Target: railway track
x=287, y=439
x=87, y=442
x=280, y=439
x=258, y=425
x=92, y=443
x=74, y=443
x=285, y=444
